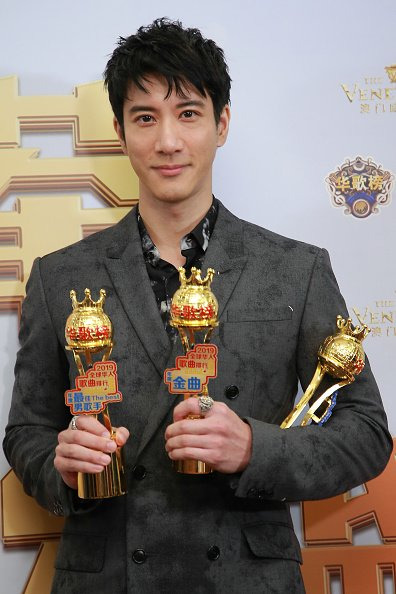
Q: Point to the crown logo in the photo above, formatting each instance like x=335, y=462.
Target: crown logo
x=87, y=301
x=391, y=70
x=195, y=278
x=345, y=327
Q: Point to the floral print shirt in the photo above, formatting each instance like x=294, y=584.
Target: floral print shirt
x=164, y=277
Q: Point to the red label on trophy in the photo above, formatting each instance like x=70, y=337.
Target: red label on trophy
x=193, y=370
x=94, y=390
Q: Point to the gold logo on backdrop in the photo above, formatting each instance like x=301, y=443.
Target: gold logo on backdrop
x=44, y=222
x=373, y=94
x=391, y=70
x=380, y=316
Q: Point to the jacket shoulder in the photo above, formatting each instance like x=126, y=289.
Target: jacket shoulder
x=94, y=246
x=257, y=238
x=254, y=233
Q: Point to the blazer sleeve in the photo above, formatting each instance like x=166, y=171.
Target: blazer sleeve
x=38, y=412
x=315, y=462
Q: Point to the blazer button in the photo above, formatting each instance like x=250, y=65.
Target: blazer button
x=139, y=472
x=231, y=392
x=139, y=556
x=213, y=553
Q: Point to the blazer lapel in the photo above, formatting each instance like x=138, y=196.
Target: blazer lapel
x=126, y=267
x=225, y=255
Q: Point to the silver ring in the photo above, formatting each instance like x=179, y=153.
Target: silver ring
x=205, y=404
x=73, y=423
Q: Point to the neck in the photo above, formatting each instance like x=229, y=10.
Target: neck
x=167, y=223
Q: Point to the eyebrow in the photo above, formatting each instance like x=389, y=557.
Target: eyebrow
x=189, y=103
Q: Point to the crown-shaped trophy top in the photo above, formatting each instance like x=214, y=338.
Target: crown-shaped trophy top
x=193, y=304
x=88, y=301
x=88, y=327
x=345, y=327
x=391, y=70
x=195, y=278
x=342, y=354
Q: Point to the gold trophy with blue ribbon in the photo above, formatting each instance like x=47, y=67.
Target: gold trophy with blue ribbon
x=342, y=357
x=194, y=312
x=89, y=334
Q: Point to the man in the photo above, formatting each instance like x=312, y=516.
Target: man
x=278, y=299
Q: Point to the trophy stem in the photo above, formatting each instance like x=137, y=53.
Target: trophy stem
x=107, y=422
x=305, y=398
x=325, y=397
x=111, y=481
x=107, y=353
x=77, y=359
x=191, y=341
x=208, y=334
x=88, y=358
x=108, y=483
x=189, y=466
x=184, y=340
x=192, y=467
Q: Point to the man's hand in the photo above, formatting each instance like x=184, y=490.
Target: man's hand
x=85, y=449
x=221, y=438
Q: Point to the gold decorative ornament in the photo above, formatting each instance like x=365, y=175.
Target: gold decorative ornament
x=341, y=356
x=89, y=332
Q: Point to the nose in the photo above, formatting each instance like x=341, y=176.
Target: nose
x=169, y=138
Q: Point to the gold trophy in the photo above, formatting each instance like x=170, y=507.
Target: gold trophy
x=194, y=312
x=341, y=356
x=89, y=332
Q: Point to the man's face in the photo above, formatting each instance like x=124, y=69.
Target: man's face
x=171, y=143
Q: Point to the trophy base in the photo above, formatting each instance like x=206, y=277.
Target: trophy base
x=192, y=467
x=108, y=483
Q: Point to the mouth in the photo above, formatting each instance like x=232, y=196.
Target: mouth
x=170, y=170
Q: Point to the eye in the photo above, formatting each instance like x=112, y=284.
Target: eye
x=188, y=115
x=145, y=119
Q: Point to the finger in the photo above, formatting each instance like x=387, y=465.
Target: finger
x=122, y=435
x=190, y=453
x=189, y=426
x=67, y=452
x=70, y=478
x=190, y=406
x=69, y=465
x=87, y=439
x=92, y=425
x=192, y=441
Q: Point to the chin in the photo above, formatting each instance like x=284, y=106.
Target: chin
x=171, y=197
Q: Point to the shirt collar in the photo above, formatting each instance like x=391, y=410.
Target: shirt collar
x=198, y=238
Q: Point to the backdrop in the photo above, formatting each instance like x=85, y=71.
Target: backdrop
x=311, y=155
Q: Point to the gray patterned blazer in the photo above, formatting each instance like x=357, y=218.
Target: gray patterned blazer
x=172, y=533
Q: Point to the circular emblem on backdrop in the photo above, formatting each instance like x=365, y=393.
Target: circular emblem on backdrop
x=360, y=186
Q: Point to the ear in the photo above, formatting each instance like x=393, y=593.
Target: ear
x=120, y=134
x=223, y=125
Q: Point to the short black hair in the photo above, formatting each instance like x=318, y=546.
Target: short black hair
x=182, y=56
